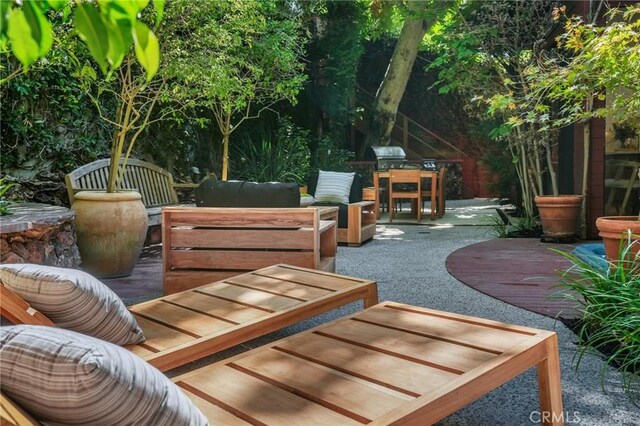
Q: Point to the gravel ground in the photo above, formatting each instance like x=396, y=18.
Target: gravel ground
x=408, y=263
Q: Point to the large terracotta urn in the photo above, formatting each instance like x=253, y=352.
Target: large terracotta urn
x=559, y=214
x=111, y=228
x=614, y=230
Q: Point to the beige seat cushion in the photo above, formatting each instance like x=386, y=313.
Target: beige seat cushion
x=63, y=377
x=333, y=187
x=73, y=300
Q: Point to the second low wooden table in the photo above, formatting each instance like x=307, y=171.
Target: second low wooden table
x=390, y=364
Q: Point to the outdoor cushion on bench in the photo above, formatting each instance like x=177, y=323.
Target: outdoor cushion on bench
x=217, y=193
x=186, y=326
x=65, y=377
x=74, y=300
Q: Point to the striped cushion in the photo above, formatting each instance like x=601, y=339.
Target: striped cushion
x=73, y=300
x=64, y=377
x=333, y=187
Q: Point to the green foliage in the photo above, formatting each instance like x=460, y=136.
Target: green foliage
x=280, y=156
x=524, y=227
x=595, y=61
x=329, y=156
x=108, y=27
x=498, y=228
x=483, y=51
x=609, y=305
x=236, y=59
x=501, y=165
x=4, y=204
x=48, y=121
x=334, y=53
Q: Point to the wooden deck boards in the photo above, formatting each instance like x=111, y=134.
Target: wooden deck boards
x=519, y=271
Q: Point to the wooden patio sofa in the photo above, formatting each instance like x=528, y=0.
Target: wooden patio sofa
x=205, y=244
x=391, y=364
x=156, y=185
x=186, y=326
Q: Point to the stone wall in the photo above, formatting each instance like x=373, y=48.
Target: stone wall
x=39, y=233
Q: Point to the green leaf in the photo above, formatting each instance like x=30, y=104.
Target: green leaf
x=24, y=47
x=87, y=71
x=159, y=7
x=4, y=13
x=93, y=32
x=56, y=4
x=66, y=11
x=147, y=49
x=40, y=27
x=119, y=42
x=119, y=10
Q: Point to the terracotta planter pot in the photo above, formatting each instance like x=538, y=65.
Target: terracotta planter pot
x=559, y=214
x=111, y=228
x=613, y=229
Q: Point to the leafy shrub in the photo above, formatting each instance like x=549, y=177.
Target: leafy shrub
x=4, y=204
x=609, y=305
x=329, y=156
x=524, y=227
x=280, y=156
x=48, y=121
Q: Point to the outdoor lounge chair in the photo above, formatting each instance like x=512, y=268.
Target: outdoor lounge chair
x=189, y=325
x=390, y=364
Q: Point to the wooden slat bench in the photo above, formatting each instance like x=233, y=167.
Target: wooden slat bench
x=156, y=185
x=205, y=244
x=187, y=326
x=391, y=364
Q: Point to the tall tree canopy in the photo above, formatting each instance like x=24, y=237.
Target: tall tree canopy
x=418, y=17
x=234, y=58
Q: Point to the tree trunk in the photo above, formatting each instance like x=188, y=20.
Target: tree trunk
x=385, y=105
x=226, y=131
x=586, y=140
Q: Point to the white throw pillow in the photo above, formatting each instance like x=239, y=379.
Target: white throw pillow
x=73, y=300
x=63, y=377
x=334, y=187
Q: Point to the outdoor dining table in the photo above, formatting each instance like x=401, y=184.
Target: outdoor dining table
x=424, y=174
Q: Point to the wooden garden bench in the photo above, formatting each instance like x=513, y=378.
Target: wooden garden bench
x=205, y=244
x=156, y=185
x=186, y=326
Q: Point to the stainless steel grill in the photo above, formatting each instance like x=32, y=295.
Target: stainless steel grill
x=386, y=157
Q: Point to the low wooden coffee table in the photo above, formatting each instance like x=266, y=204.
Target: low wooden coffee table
x=389, y=364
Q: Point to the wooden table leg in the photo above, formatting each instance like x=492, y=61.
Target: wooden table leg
x=372, y=297
x=549, y=387
x=434, y=188
x=376, y=185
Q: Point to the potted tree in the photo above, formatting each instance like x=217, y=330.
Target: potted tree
x=110, y=225
x=598, y=65
x=606, y=58
x=502, y=56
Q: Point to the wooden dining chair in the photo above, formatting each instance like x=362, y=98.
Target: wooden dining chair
x=399, y=176
x=440, y=194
